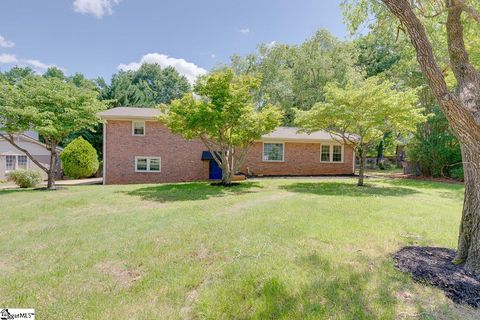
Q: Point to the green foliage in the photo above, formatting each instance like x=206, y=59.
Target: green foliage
x=434, y=147
x=224, y=112
x=367, y=109
x=224, y=116
x=25, y=178
x=457, y=173
x=54, y=72
x=148, y=86
x=50, y=106
x=79, y=159
x=361, y=114
x=16, y=74
x=294, y=76
x=385, y=165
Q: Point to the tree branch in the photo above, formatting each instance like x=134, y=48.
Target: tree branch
x=10, y=138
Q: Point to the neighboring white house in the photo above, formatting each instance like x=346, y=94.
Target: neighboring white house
x=11, y=158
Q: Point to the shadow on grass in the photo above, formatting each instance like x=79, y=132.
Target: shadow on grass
x=347, y=189
x=16, y=190
x=191, y=191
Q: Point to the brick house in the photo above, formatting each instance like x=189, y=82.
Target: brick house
x=137, y=148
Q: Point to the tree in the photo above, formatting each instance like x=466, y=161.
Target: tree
x=224, y=117
x=361, y=113
x=50, y=106
x=294, y=76
x=421, y=20
x=148, y=86
x=79, y=159
x=54, y=72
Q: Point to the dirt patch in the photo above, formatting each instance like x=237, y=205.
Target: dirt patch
x=434, y=266
x=122, y=276
x=186, y=310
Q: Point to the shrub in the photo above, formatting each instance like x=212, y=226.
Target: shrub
x=25, y=178
x=457, y=173
x=385, y=165
x=79, y=159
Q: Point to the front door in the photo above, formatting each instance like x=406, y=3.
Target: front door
x=215, y=171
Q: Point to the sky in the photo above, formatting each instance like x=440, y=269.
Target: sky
x=100, y=37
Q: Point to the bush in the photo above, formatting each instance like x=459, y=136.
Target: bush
x=79, y=159
x=25, y=178
x=457, y=173
x=385, y=165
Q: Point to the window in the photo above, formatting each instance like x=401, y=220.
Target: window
x=22, y=162
x=13, y=162
x=331, y=153
x=138, y=128
x=10, y=162
x=273, y=152
x=325, y=154
x=147, y=164
x=337, y=154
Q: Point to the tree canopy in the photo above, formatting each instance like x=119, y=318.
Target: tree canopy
x=50, y=106
x=360, y=113
x=148, y=86
x=294, y=76
x=224, y=116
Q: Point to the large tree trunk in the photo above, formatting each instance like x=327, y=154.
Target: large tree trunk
x=469, y=236
x=462, y=110
x=53, y=167
x=363, y=162
x=226, y=165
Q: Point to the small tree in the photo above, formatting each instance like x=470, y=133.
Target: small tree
x=50, y=106
x=79, y=159
x=361, y=113
x=224, y=117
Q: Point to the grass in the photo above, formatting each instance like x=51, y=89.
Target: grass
x=266, y=249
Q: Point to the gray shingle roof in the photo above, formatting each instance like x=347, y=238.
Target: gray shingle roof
x=130, y=113
x=291, y=133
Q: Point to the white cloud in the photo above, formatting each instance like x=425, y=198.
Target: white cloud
x=245, y=30
x=98, y=8
x=5, y=43
x=8, y=58
x=38, y=64
x=188, y=69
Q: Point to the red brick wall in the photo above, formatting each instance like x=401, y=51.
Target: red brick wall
x=180, y=159
x=301, y=159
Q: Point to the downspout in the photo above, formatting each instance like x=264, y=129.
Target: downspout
x=354, y=160
x=104, y=153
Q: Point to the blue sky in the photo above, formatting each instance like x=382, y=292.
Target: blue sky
x=96, y=37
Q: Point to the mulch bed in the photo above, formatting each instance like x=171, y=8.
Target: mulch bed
x=434, y=266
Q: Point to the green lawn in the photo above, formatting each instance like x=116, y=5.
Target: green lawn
x=267, y=249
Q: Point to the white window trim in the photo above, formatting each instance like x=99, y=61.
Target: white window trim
x=133, y=128
x=148, y=164
x=330, y=145
x=273, y=142
x=16, y=166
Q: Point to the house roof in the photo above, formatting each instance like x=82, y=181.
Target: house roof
x=293, y=134
x=29, y=138
x=130, y=113
x=279, y=134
